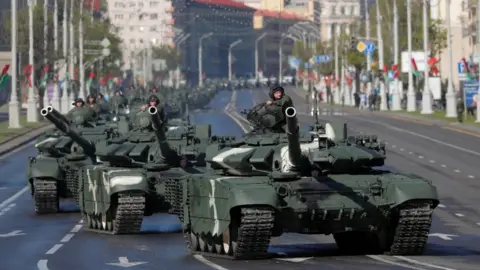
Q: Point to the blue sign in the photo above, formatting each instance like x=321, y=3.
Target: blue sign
x=370, y=48
x=470, y=91
x=293, y=62
x=461, y=67
x=321, y=58
x=391, y=75
x=307, y=65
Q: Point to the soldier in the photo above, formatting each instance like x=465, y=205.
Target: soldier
x=460, y=109
x=92, y=102
x=80, y=110
x=278, y=99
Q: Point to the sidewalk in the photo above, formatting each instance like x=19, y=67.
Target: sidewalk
x=401, y=115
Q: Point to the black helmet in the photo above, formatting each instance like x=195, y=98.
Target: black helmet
x=89, y=97
x=153, y=98
x=274, y=89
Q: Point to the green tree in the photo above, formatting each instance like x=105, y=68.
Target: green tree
x=171, y=55
x=95, y=30
x=437, y=33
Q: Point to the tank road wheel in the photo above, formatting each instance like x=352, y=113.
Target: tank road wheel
x=218, y=244
x=193, y=239
x=210, y=243
x=202, y=242
x=45, y=195
x=90, y=224
x=227, y=243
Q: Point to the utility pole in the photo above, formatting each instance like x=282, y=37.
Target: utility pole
x=256, y=54
x=396, y=93
x=477, y=51
x=65, y=102
x=200, y=57
x=230, y=60
x=369, y=64
x=46, y=100
x=411, y=106
x=13, y=105
x=336, y=98
x=81, y=68
x=383, y=94
x=32, y=110
x=450, y=96
x=426, y=97
x=72, y=48
x=56, y=95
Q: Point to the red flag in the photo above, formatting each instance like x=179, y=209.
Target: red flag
x=385, y=69
x=465, y=64
x=92, y=4
x=103, y=81
x=27, y=71
x=92, y=75
x=414, y=64
x=5, y=69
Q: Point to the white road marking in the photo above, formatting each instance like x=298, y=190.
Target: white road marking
x=401, y=149
x=457, y=170
x=380, y=259
x=459, y=215
x=432, y=161
x=42, y=265
x=422, y=263
x=442, y=206
x=12, y=198
x=213, y=265
x=420, y=157
x=76, y=228
x=54, y=249
x=67, y=237
x=411, y=153
x=394, y=146
x=471, y=176
x=478, y=223
x=444, y=166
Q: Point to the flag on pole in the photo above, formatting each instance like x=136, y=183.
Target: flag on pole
x=44, y=80
x=5, y=76
x=415, y=71
x=110, y=80
x=27, y=71
x=90, y=80
x=467, y=69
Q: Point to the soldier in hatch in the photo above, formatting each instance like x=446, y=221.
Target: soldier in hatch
x=92, y=103
x=278, y=99
x=80, y=109
x=154, y=101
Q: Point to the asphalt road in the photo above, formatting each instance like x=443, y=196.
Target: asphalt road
x=58, y=242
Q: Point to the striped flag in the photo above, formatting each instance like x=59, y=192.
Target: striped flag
x=415, y=71
x=5, y=76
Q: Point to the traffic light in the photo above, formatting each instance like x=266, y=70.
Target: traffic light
x=353, y=43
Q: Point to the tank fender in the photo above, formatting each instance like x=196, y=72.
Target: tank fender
x=100, y=185
x=409, y=188
x=44, y=167
x=217, y=197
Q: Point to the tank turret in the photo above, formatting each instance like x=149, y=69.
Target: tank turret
x=61, y=123
x=171, y=157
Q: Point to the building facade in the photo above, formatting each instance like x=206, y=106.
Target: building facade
x=142, y=24
x=338, y=14
x=219, y=24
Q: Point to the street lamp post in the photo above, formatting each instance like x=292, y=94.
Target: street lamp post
x=71, y=70
x=81, y=70
x=177, y=81
x=230, y=57
x=65, y=102
x=411, y=102
x=450, y=96
x=56, y=95
x=32, y=111
x=426, y=97
x=13, y=105
x=383, y=92
x=200, y=57
x=396, y=98
x=280, y=56
x=256, y=53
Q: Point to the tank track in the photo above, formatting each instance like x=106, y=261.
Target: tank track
x=128, y=217
x=174, y=196
x=254, y=234
x=413, y=227
x=45, y=196
x=71, y=179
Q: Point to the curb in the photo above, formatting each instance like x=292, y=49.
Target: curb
x=40, y=130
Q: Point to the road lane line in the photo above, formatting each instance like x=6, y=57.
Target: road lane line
x=67, y=238
x=76, y=228
x=380, y=259
x=462, y=131
x=42, y=265
x=12, y=198
x=422, y=263
x=54, y=249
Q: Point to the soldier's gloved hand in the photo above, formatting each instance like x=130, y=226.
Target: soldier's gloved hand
x=143, y=108
x=269, y=102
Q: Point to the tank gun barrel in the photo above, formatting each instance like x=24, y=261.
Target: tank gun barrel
x=62, y=124
x=159, y=128
x=294, y=150
x=57, y=114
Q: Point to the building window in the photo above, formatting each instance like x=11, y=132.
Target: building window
x=333, y=11
x=132, y=4
x=154, y=16
x=154, y=4
x=119, y=4
x=140, y=4
x=342, y=10
x=132, y=28
x=118, y=17
x=132, y=41
x=153, y=29
x=140, y=41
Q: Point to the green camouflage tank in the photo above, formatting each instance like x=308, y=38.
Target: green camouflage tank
x=273, y=183
x=53, y=173
x=128, y=181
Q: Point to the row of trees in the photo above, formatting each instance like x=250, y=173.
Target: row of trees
x=94, y=30
x=437, y=37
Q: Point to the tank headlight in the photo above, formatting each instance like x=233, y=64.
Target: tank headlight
x=115, y=119
x=127, y=111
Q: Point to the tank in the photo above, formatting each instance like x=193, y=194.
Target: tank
x=52, y=174
x=322, y=183
x=129, y=180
